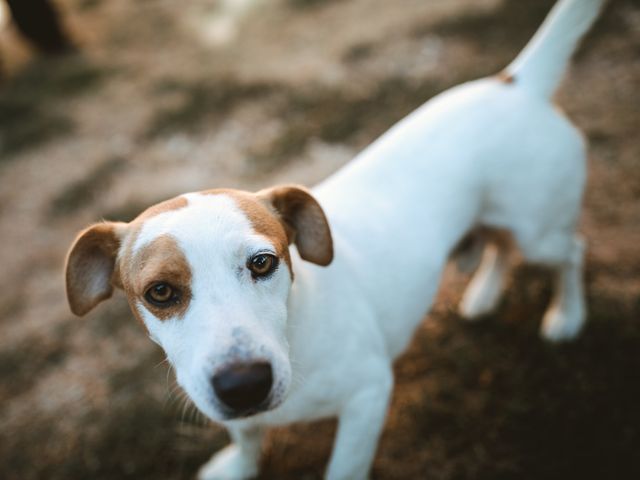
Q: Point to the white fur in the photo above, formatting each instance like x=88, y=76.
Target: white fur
x=542, y=62
x=229, y=312
x=483, y=293
x=486, y=153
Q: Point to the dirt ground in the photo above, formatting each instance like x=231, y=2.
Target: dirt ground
x=247, y=93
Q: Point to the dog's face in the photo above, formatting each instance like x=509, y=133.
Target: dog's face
x=209, y=275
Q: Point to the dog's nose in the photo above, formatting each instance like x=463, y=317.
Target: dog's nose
x=243, y=386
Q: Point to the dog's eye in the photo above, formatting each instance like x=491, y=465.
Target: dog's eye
x=262, y=264
x=162, y=295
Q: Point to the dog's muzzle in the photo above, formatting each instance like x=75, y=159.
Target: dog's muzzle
x=243, y=388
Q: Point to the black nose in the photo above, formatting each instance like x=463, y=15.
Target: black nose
x=243, y=386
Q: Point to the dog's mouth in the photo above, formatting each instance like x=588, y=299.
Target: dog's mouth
x=234, y=414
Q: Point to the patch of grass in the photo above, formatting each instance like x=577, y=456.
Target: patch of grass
x=358, y=52
x=334, y=116
x=30, y=101
x=308, y=3
x=126, y=212
x=17, y=452
x=203, y=103
x=497, y=402
x=88, y=5
x=49, y=80
x=11, y=307
x=489, y=28
x=136, y=437
x=123, y=379
x=86, y=190
x=23, y=126
x=137, y=440
x=114, y=317
x=130, y=210
x=23, y=364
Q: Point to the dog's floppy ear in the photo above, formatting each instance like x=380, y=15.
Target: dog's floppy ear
x=90, y=266
x=303, y=220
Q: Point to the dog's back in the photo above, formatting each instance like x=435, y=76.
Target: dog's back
x=492, y=152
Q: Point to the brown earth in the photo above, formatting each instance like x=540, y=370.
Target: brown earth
x=164, y=100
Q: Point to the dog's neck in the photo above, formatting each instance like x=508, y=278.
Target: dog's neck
x=387, y=256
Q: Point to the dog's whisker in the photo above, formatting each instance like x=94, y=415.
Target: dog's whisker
x=298, y=379
x=173, y=394
x=185, y=406
x=173, y=398
x=166, y=359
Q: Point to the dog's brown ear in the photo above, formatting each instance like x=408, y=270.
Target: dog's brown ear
x=90, y=266
x=303, y=220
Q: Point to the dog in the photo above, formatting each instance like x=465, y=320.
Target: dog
x=261, y=333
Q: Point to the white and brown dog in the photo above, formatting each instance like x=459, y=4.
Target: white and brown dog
x=260, y=334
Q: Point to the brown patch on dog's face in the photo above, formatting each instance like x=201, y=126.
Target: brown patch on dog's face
x=265, y=223
x=124, y=269
x=287, y=214
x=134, y=227
x=102, y=256
x=262, y=219
x=159, y=262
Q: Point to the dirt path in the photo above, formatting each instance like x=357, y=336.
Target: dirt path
x=249, y=93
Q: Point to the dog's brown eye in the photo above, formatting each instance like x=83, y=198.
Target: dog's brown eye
x=161, y=295
x=262, y=264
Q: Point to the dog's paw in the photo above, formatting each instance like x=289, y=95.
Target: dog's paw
x=475, y=307
x=482, y=295
x=480, y=299
x=228, y=464
x=559, y=325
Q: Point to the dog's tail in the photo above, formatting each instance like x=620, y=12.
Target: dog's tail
x=541, y=65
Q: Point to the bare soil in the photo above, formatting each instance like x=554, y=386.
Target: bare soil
x=165, y=99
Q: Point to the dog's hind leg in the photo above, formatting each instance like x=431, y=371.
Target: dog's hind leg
x=563, y=252
x=566, y=314
x=483, y=293
x=238, y=461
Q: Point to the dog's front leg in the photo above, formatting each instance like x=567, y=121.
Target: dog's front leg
x=359, y=426
x=237, y=461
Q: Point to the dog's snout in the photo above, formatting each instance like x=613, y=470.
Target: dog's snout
x=243, y=386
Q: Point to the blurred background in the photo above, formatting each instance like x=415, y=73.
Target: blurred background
x=107, y=107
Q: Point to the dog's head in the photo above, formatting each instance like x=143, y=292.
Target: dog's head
x=209, y=274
